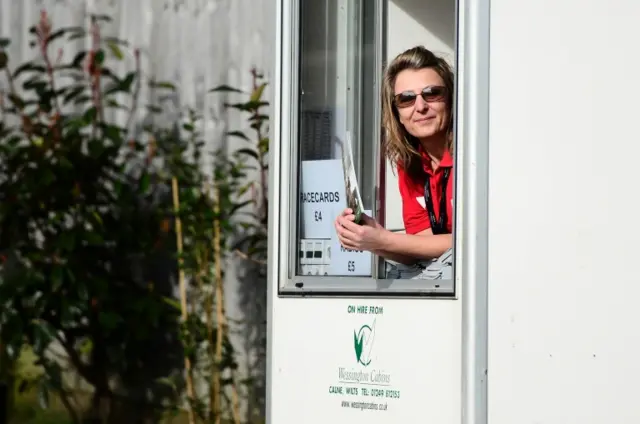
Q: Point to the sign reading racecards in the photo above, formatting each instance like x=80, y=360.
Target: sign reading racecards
x=348, y=262
x=322, y=195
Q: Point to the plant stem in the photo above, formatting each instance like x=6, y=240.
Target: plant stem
x=183, y=293
x=223, y=326
x=219, y=306
x=136, y=92
x=66, y=401
x=203, y=267
x=235, y=402
x=249, y=258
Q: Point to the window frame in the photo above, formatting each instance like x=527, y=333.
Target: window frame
x=285, y=158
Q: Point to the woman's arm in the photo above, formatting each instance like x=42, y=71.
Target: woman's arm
x=403, y=248
x=409, y=248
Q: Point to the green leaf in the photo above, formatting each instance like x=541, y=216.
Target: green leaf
x=116, y=41
x=145, y=181
x=56, y=278
x=247, y=107
x=259, y=118
x=115, y=50
x=44, y=334
x=257, y=93
x=70, y=275
x=99, y=58
x=72, y=93
x=16, y=100
x=67, y=240
x=248, y=152
x=240, y=205
x=225, y=89
x=109, y=320
x=245, y=188
x=167, y=382
x=105, y=18
x=90, y=115
x=93, y=238
x=124, y=85
x=162, y=84
x=237, y=134
x=128, y=81
x=357, y=343
x=154, y=109
x=97, y=218
x=4, y=43
x=54, y=374
x=112, y=133
x=86, y=346
x=4, y=60
x=82, y=99
x=26, y=67
x=77, y=60
x=112, y=103
x=173, y=303
x=23, y=386
x=96, y=148
x=62, y=31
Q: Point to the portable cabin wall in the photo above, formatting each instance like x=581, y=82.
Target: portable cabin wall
x=563, y=344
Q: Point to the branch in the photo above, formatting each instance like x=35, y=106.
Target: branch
x=67, y=343
x=183, y=294
x=136, y=91
x=247, y=257
x=64, y=398
x=219, y=311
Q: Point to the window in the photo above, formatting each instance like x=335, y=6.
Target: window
x=331, y=93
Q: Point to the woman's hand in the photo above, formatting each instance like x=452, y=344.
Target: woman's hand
x=367, y=236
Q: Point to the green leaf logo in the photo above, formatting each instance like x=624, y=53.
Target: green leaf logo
x=364, y=337
x=357, y=344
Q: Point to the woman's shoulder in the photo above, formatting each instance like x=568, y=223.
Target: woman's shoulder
x=407, y=183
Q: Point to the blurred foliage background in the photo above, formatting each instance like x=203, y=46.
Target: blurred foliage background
x=115, y=235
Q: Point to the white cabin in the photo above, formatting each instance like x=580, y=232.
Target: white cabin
x=537, y=324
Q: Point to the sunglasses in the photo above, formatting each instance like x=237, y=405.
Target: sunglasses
x=432, y=93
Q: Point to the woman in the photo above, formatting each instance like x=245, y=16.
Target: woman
x=417, y=101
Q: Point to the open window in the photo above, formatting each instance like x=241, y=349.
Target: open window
x=331, y=79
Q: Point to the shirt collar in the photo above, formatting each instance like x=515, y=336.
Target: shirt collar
x=446, y=162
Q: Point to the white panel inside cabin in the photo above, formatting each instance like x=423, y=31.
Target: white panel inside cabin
x=564, y=229
x=410, y=23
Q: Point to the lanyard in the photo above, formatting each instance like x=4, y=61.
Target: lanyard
x=437, y=226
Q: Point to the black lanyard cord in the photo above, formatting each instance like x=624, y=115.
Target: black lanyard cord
x=437, y=226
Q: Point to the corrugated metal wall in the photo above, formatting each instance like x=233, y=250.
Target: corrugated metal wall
x=197, y=44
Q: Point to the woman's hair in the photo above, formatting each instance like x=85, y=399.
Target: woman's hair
x=400, y=146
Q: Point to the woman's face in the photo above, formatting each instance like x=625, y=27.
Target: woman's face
x=422, y=119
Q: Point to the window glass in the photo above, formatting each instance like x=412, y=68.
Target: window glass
x=337, y=51
x=340, y=49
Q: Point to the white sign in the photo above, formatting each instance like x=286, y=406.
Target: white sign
x=321, y=197
x=348, y=262
x=365, y=380
x=375, y=361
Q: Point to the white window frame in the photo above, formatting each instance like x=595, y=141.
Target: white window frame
x=284, y=162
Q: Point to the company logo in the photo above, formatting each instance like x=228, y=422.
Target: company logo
x=363, y=343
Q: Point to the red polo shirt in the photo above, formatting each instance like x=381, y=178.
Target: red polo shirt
x=414, y=212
